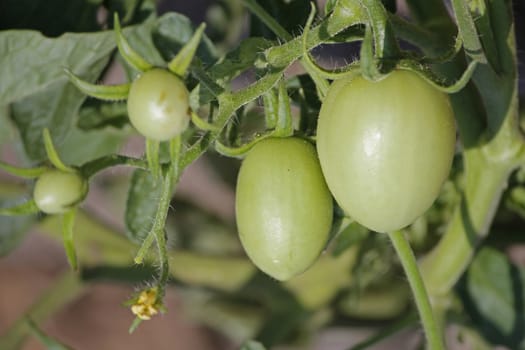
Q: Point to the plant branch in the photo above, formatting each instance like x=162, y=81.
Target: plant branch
x=432, y=331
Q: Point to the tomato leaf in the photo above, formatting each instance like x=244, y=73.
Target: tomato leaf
x=142, y=204
x=40, y=94
x=493, y=293
x=81, y=146
x=97, y=114
x=38, y=61
x=175, y=30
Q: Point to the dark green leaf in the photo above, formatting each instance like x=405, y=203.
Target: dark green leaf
x=306, y=97
x=494, y=294
x=42, y=15
x=239, y=60
x=142, y=204
x=285, y=313
x=173, y=31
x=97, y=114
x=220, y=75
x=390, y=5
x=290, y=14
x=252, y=345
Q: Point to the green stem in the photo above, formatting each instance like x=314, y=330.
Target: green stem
x=160, y=218
x=92, y=167
x=160, y=237
x=282, y=56
x=49, y=342
x=153, y=157
x=471, y=221
x=68, y=222
x=467, y=30
x=267, y=19
x=67, y=288
x=408, y=260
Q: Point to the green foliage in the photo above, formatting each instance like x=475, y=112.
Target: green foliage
x=494, y=295
x=234, y=104
x=39, y=93
x=141, y=206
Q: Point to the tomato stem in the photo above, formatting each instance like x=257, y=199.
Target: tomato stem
x=408, y=260
x=153, y=157
x=160, y=219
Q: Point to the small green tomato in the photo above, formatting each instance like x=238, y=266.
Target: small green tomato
x=58, y=191
x=385, y=147
x=283, y=206
x=158, y=105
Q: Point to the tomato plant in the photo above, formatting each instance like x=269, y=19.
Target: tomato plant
x=58, y=191
x=385, y=147
x=158, y=105
x=284, y=209
x=415, y=131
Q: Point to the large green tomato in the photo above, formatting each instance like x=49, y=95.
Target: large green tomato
x=158, y=105
x=385, y=147
x=283, y=206
x=57, y=191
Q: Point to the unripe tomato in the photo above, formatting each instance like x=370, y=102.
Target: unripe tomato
x=158, y=105
x=57, y=191
x=283, y=206
x=385, y=147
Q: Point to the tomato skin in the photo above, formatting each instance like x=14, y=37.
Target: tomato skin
x=58, y=191
x=283, y=206
x=158, y=105
x=385, y=147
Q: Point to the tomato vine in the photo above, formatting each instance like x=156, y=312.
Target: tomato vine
x=383, y=125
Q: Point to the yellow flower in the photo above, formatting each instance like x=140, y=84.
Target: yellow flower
x=146, y=304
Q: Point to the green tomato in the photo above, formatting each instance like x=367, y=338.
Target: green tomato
x=58, y=191
x=385, y=147
x=158, y=105
x=283, y=206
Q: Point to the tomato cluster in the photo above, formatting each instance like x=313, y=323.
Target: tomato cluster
x=385, y=148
